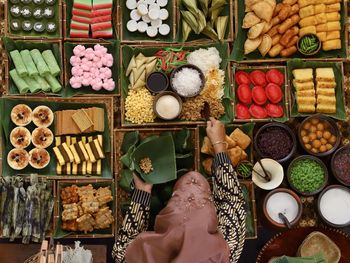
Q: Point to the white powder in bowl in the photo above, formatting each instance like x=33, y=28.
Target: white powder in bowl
x=187, y=82
x=168, y=107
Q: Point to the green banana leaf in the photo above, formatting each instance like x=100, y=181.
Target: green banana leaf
x=249, y=222
x=137, y=36
x=148, y=139
x=113, y=48
x=247, y=128
x=126, y=158
x=11, y=45
x=60, y=233
x=7, y=125
x=33, y=33
x=194, y=37
x=128, y=52
x=130, y=139
x=283, y=102
x=161, y=151
x=184, y=161
x=339, y=90
x=241, y=36
x=183, y=141
x=126, y=180
x=69, y=15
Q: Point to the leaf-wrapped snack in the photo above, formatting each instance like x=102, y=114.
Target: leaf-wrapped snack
x=210, y=32
x=19, y=63
x=20, y=83
x=51, y=62
x=221, y=25
x=29, y=63
x=186, y=30
x=40, y=62
x=191, y=21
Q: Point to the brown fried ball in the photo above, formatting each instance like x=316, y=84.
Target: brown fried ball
x=314, y=121
x=320, y=126
x=312, y=136
x=327, y=135
x=329, y=146
x=303, y=132
x=316, y=144
x=305, y=139
x=323, y=141
x=313, y=128
x=323, y=148
x=308, y=146
x=307, y=125
x=314, y=150
x=332, y=140
x=319, y=134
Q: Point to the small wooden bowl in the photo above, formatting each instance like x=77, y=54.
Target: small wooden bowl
x=313, y=52
x=161, y=94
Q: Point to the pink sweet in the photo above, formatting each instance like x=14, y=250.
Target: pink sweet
x=86, y=75
x=100, y=48
x=107, y=72
x=96, y=84
x=75, y=82
x=79, y=50
x=99, y=64
x=86, y=82
x=109, y=84
x=77, y=71
x=75, y=60
x=96, y=58
x=84, y=60
x=85, y=67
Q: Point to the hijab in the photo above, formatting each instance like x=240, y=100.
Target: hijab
x=186, y=230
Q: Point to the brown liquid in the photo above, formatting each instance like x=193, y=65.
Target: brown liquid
x=157, y=82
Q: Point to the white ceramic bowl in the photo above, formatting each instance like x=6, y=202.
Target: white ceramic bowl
x=276, y=171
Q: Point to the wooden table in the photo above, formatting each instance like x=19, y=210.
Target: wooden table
x=18, y=253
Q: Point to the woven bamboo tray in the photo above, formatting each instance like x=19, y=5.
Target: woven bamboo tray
x=266, y=67
x=7, y=67
x=280, y=59
x=63, y=183
x=108, y=101
x=54, y=194
x=121, y=195
x=84, y=41
x=65, y=33
x=16, y=36
x=230, y=26
x=147, y=40
x=176, y=122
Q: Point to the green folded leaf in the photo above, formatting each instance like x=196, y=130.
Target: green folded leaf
x=126, y=180
x=130, y=139
x=191, y=21
x=210, y=32
x=186, y=30
x=126, y=158
x=204, y=6
x=221, y=25
x=217, y=4
x=162, y=157
x=183, y=141
x=148, y=138
x=191, y=5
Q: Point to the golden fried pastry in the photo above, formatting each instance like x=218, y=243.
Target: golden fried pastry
x=256, y=30
x=70, y=225
x=86, y=193
x=235, y=155
x=326, y=92
x=103, y=218
x=104, y=195
x=333, y=16
x=207, y=163
x=275, y=50
x=307, y=30
x=90, y=206
x=69, y=194
x=86, y=223
x=250, y=19
x=263, y=10
x=70, y=212
x=333, y=8
x=251, y=44
x=306, y=11
x=333, y=35
x=265, y=45
x=320, y=8
x=322, y=36
x=242, y=139
x=300, y=86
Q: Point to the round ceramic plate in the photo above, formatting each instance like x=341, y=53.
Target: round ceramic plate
x=274, y=168
x=287, y=243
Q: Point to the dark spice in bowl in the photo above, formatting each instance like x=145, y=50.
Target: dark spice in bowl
x=341, y=165
x=274, y=142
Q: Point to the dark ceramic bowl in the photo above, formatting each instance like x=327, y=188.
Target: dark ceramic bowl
x=309, y=157
x=339, y=151
x=296, y=197
x=319, y=203
x=201, y=75
x=152, y=88
x=313, y=52
x=334, y=130
x=284, y=127
x=248, y=163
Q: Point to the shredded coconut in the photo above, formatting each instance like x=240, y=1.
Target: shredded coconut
x=205, y=59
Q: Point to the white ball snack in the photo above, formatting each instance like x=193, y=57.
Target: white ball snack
x=148, y=16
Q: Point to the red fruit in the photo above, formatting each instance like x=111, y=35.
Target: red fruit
x=242, y=77
x=275, y=76
x=257, y=112
x=273, y=93
x=259, y=96
x=244, y=94
x=242, y=111
x=258, y=78
x=274, y=110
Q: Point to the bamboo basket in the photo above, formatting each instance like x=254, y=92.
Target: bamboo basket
x=120, y=29
x=230, y=36
x=65, y=33
x=108, y=182
x=266, y=67
x=16, y=36
x=177, y=122
x=54, y=194
x=84, y=41
x=280, y=59
x=108, y=101
x=7, y=68
x=122, y=195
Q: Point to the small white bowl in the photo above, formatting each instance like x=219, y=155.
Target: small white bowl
x=276, y=171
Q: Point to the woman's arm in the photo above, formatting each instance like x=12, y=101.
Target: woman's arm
x=228, y=197
x=136, y=219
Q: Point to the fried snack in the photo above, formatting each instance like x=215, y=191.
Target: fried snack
x=250, y=19
x=230, y=143
x=276, y=39
x=272, y=3
x=104, y=195
x=70, y=225
x=308, y=21
x=306, y=100
x=86, y=193
x=306, y=108
x=265, y=45
x=322, y=27
x=329, y=2
x=285, y=39
x=306, y=11
x=333, y=16
x=332, y=35
x=299, y=86
x=303, y=75
x=307, y=30
x=249, y=4
x=287, y=52
x=284, y=12
x=242, y=139
x=103, y=218
x=294, y=10
x=90, y=207
x=288, y=23
x=306, y=93
x=293, y=41
x=273, y=31
x=325, y=91
x=322, y=36
x=274, y=21
x=326, y=100
x=235, y=155
x=277, y=9
x=326, y=84
x=263, y=10
x=251, y=44
x=290, y=2
x=325, y=74
x=333, y=8
x=69, y=195
x=322, y=108
x=256, y=30
x=333, y=26
x=86, y=223
x=303, y=3
x=267, y=27
x=207, y=147
x=70, y=212
x=320, y=8
x=321, y=18
x=275, y=50
x=207, y=163
x=331, y=44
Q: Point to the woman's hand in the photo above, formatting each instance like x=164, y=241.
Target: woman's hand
x=141, y=185
x=216, y=133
